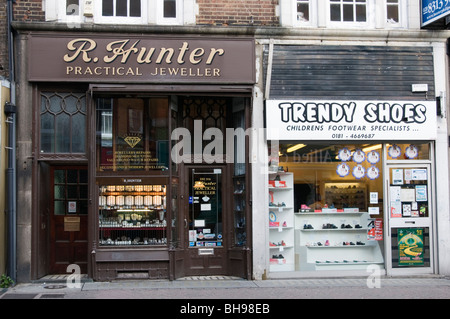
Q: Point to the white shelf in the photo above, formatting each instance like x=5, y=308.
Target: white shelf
x=312, y=257
x=282, y=214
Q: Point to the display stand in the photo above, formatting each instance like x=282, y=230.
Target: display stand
x=329, y=240
x=281, y=221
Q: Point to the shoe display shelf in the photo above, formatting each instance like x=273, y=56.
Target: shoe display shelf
x=332, y=240
x=281, y=221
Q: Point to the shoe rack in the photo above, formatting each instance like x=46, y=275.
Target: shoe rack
x=331, y=240
x=281, y=221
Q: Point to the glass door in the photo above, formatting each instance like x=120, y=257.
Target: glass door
x=410, y=210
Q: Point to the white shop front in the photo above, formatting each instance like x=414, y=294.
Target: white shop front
x=351, y=186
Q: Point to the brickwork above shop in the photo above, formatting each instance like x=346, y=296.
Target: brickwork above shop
x=28, y=10
x=237, y=12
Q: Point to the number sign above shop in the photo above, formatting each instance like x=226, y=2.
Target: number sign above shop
x=433, y=10
x=141, y=59
x=351, y=120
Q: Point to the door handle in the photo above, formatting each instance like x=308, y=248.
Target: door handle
x=185, y=223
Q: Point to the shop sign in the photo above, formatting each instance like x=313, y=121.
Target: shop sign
x=410, y=247
x=126, y=58
x=351, y=120
x=433, y=10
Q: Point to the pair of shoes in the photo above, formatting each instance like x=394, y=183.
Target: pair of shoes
x=348, y=226
x=280, y=256
x=360, y=243
x=346, y=243
x=304, y=207
x=329, y=226
x=308, y=226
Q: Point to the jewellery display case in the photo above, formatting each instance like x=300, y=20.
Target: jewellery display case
x=132, y=215
x=281, y=221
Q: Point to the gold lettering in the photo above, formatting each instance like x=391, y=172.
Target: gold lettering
x=120, y=51
x=183, y=50
x=217, y=72
x=213, y=54
x=69, y=69
x=197, y=53
x=162, y=53
x=85, y=46
x=147, y=59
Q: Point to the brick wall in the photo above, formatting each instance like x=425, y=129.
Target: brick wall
x=237, y=12
x=3, y=40
x=211, y=12
x=29, y=10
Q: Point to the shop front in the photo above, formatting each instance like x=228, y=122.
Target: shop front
x=137, y=139
x=351, y=182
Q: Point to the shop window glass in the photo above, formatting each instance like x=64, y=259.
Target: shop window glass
x=70, y=192
x=121, y=8
x=348, y=10
x=132, y=134
x=72, y=7
x=170, y=8
x=325, y=206
x=63, y=123
x=132, y=215
x=393, y=11
x=303, y=10
x=410, y=151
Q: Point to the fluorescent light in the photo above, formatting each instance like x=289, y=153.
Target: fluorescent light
x=296, y=147
x=372, y=148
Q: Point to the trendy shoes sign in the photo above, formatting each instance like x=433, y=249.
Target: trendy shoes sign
x=351, y=120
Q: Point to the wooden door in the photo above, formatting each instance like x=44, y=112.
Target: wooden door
x=68, y=219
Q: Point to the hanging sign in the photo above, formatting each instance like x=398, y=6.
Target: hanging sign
x=351, y=120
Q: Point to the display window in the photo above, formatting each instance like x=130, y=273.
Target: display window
x=325, y=207
x=132, y=215
x=330, y=208
x=132, y=134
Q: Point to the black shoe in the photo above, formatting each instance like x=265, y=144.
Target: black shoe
x=358, y=226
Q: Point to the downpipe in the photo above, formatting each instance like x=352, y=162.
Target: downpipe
x=11, y=182
x=10, y=190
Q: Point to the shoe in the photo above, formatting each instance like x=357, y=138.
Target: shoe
x=348, y=226
x=359, y=243
x=284, y=224
x=327, y=243
x=272, y=244
x=358, y=226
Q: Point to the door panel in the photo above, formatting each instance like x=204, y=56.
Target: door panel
x=205, y=223
x=409, y=227
x=68, y=219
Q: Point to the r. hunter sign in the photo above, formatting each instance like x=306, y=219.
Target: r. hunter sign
x=84, y=58
x=351, y=120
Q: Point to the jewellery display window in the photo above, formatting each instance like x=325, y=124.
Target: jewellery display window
x=132, y=215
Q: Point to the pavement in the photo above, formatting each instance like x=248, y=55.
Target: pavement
x=226, y=289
